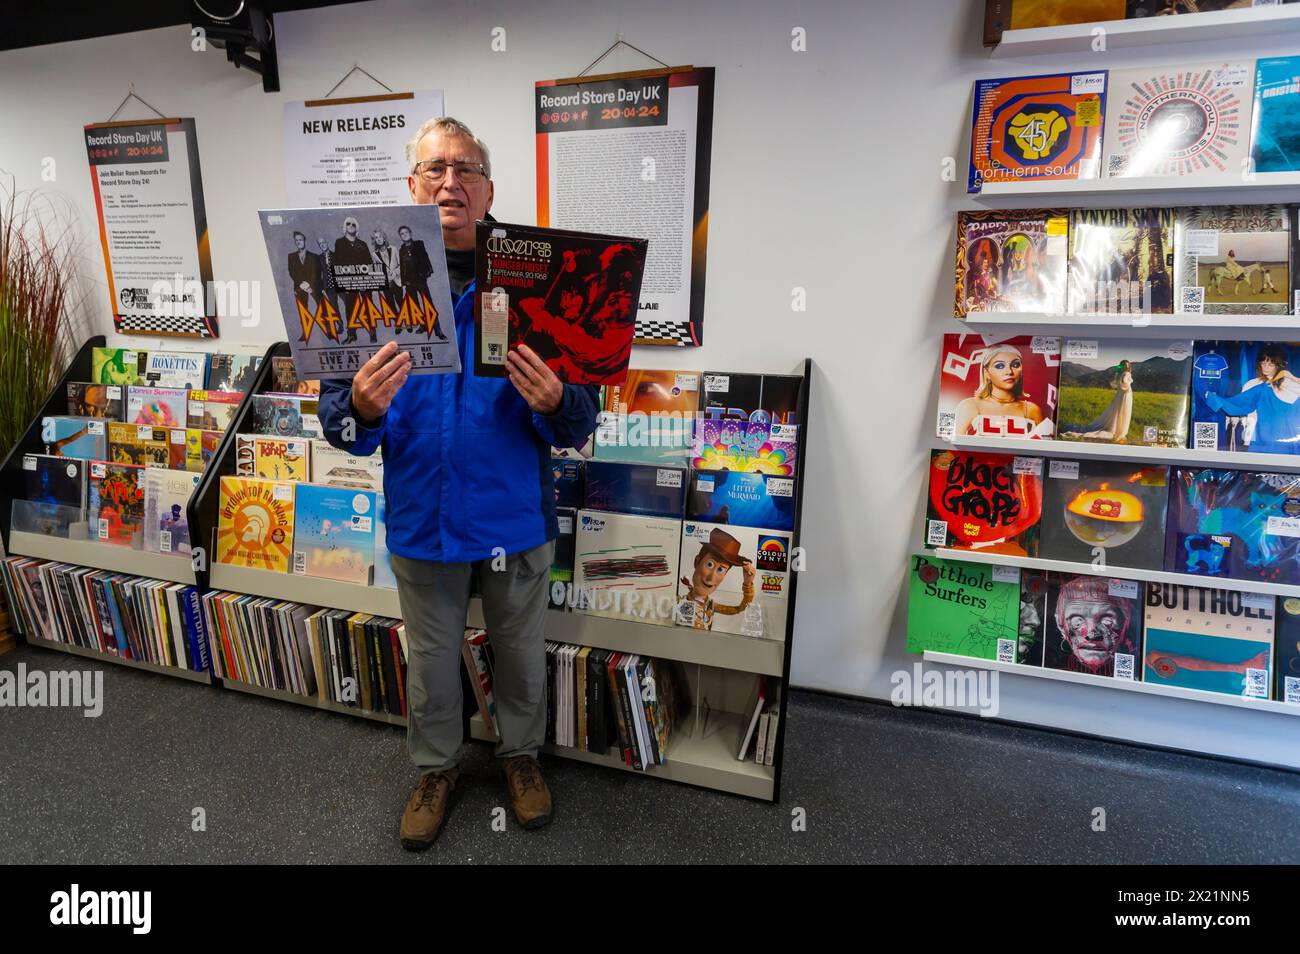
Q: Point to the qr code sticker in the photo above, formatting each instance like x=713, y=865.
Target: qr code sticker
x=1006, y=650
x=685, y=615
x=1193, y=301
x=1257, y=683
x=1124, y=666
x=494, y=350
x=947, y=429
x=103, y=528
x=1116, y=165
x=936, y=533
x=299, y=561
x=1291, y=689
x=164, y=541
x=1206, y=436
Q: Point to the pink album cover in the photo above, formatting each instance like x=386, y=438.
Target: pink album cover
x=998, y=387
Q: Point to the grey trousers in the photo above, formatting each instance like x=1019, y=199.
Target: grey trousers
x=434, y=598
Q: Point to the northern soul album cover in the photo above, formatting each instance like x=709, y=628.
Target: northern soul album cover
x=1011, y=260
x=1028, y=128
x=1093, y=625
x=571, y=297
x=1122, y=391
x=350, y=280
x=1112, y=511
x=1233, y=260
x=1209, y=639
x=1245, y=397
x=987, y=502
x=1234, y=524
x=967, y=609
x=990, y=387
x=1121, y=261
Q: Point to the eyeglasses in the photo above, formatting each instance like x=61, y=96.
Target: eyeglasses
x=435, y=170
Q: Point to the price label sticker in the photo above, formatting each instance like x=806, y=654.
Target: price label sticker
x=95, y=427
x=565, y=523
x=1063, y=470
x=1045, y=344
x=1201, y=241
x=1283, y=527
x=98, y=469
x=1033, y=466
x=178, y=436
x=1006, y=574
x=144, y=432
x=780, y=486
x=1077, y=349
x=704, y=484
x=1125, y=589
x=282, y=492
x=717, y=383
x=664, y=477
x=687, y=382
x=29, y=462
x=1083, y=83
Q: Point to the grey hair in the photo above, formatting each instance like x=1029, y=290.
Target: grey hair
x=452, y=127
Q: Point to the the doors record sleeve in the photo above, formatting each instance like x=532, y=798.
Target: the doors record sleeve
x=1119, y=391
x=1245, y=397
x=350, y=280
x=1178, y=120
x=1233, y=260
x=572, y=297
x=1121, y=261
x=1027, y=128
x=1108, y=509
x=987, y=502
x=1011, y=260
x=1209, y=639
x=1094, y=626
x=998, y=388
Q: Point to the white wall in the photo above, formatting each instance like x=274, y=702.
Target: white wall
x=826, y=176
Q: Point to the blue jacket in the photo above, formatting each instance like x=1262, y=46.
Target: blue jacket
x=466, y=462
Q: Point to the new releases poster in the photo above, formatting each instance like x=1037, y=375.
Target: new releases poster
x=349, y=280
x=570, y=296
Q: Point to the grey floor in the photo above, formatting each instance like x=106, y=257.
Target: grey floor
x=284, y=783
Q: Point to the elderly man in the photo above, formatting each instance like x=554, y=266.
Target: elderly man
x=468, y=482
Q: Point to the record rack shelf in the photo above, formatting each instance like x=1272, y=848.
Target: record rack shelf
x=1184, y=28
x=1168, y=456
x=707, y=760
x=1280, y=183
x=1201, y=327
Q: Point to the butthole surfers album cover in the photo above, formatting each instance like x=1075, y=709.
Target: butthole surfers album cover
x=1209, y=639
x=1124, y=392
x=968, y=609
x=349, y=280
x=987, y=502
x=998, y=387
x=1246, y=397
x=1104, y=510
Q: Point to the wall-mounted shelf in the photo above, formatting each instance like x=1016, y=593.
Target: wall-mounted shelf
x=1190, y=185
x=1169, y=456
x=1197, y=327
x=1119, y=572
x=102, y=556
x=1219, y=25
x=1105, y=682
x=74, y=650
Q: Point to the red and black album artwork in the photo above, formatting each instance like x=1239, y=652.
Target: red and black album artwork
x=569, y=296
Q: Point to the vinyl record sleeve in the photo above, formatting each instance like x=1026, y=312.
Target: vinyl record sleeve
x=1233, y=260
x=1011, y=260
x=1209, y=639
x=998, y=387
x=1119, y=391
x=1121, y=261
x=1246, y=397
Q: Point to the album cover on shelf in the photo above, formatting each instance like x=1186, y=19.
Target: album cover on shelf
x=990, y=387
x=731, y=497
x=1209, y=639
x=562, y=565
x=56, y=487
x=140, y=444
x=338, y=468
x=334, y=533
x=649, y=417
x=1178, y=120
x=747, y=422
x=212, y=410
x=571, y=297
x=166, y=522
x=1121, y=261
x=200, y=445
x=1011, y=260
x=350, y=280
x=232, y=372
x=986, y=502
x=85, y=438
x=175, y=369
x=161, y=407
x=625, y=565
x=733, y=579
x=1093, y=626
x=1099, y=509
x=1028, y=128
x=1032, y=617
x=1275, y=122
x=118, y=366
x=255, y=523
x=644, y=489
x=273, y=458
x=1000, y=15
x=1121, y=391
x=284, y=415
x=1164, y=8
x=115, y=502
x=1287, y=662
x=568, y=478
x=1244, y=397
x=384, y=576
x=285, y=379
x=1233, y=260
x=95, y=400
x=967, y=609
x=1234, y=524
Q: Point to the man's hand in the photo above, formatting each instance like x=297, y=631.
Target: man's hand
x=534, y=381
x=378, y=380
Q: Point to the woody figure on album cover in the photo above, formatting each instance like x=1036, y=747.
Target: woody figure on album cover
x=715, y=560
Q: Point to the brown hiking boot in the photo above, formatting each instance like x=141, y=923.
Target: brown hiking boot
x=529, y=796
x=427, y=809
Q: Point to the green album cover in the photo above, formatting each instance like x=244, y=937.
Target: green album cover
x=957, y=607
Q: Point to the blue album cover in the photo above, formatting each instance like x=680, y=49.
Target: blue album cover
x=1246, y=397
x=334, y=532
x=568, y=482
x=1275, y=120
x=383, y=559
x=1209, y=639
x=742, y=499
x=643, y=489
x=1233, y=524
x=85, y=438
x=1287, y=660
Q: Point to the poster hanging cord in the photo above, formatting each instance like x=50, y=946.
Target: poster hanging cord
x=356, y=68
x=130, y=95
x=619, y=41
